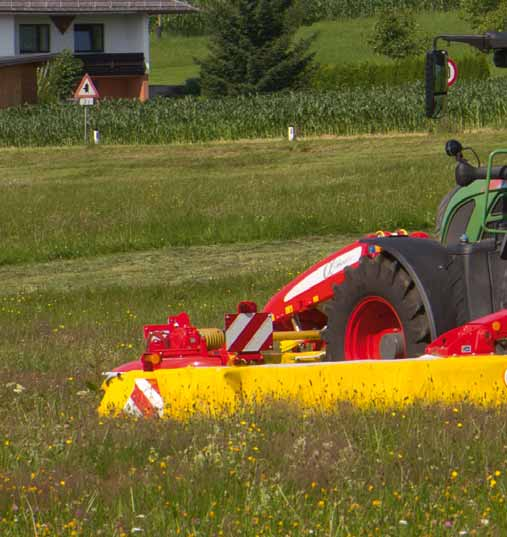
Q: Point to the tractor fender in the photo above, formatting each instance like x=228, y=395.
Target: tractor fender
x=314, y=286
x=427, y=263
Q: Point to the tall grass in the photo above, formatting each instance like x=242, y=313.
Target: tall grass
x=353, y=111
x=267, y=471
x=272, y=470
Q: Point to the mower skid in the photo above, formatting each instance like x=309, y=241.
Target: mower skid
x=219, y=391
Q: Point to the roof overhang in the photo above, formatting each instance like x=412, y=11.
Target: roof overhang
x=6, y=61
x=94, y=7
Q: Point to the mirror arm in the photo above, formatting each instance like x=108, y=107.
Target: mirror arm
x=481, y=42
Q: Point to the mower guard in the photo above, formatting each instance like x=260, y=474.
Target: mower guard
x=217, y=391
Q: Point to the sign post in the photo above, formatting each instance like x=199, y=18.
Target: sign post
x=86, y=93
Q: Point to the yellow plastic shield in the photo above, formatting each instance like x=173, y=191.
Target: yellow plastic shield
x=179, y=393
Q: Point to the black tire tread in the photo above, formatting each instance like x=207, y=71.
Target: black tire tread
x=458, y=292
x=382, y=275
x=442, y=207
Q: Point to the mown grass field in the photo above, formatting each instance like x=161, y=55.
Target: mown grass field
x=95, y=243
x=338, y=42
x=104, y=200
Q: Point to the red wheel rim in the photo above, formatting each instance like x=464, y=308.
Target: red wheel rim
x=373, y=318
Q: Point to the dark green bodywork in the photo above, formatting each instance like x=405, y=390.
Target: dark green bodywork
x=486, y=214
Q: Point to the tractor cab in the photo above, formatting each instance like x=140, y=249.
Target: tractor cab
x=476, y=208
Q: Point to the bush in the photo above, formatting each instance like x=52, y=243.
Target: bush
x=396, y=35
x=56, y=80
x=368, y=74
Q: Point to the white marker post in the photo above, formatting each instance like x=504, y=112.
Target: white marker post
x=86, y=93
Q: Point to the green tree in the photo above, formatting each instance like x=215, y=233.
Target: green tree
x=57, y=78
x=253, y=48
x=397, y=35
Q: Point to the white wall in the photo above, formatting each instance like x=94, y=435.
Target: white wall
x=126, y=33
x=122, y=33
x=7, y=35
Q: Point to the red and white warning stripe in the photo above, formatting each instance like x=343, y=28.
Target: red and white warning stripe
x=145, y=399
x=248, y=332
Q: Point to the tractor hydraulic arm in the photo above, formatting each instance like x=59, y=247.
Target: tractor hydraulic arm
x=485, y=42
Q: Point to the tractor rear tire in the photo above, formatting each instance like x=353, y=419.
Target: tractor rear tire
x=442, y=208
x=377, y=312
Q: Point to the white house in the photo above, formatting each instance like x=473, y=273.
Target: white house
x=111, y=37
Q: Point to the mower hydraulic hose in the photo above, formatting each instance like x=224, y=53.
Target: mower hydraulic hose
x=215, y=338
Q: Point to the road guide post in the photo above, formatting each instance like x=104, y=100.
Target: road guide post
x=86, y=93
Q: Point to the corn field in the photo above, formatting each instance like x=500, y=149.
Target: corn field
x=316, y=10
x=312, y=11
x=191, y=119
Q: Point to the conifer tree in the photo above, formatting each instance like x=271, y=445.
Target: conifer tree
x=253, y=48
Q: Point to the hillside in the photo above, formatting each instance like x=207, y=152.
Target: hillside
x=337, y=42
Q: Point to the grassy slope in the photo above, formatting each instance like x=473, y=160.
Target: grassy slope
x=64, y=321
x=172, y=58
x=343, y=41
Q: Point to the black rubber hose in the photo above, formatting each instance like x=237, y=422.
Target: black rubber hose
x=467, y=174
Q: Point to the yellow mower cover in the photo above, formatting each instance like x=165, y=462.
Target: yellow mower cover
x=216, y=391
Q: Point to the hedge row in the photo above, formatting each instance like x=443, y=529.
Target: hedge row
x=375, y=110
x=368, y=74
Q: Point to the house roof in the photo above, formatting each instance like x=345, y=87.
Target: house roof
x=70, y=7
x=6, y=61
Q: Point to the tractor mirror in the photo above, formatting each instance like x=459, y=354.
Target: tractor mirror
x=437, y=75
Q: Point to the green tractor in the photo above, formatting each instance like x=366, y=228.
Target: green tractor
x=470, y=211
x=391, y=296
x=428, y=287
x=472, y=218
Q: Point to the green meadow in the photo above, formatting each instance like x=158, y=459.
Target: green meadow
x=337, y=42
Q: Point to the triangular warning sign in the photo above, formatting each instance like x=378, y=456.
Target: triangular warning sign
x=86, y=89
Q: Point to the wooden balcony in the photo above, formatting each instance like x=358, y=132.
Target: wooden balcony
x=127, y=64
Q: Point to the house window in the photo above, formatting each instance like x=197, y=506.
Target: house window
x=33, y=38
x=89, y=38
